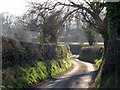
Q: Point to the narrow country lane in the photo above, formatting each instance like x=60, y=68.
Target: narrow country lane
x=79, y=77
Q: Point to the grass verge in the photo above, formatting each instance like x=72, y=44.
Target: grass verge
x=25, y=76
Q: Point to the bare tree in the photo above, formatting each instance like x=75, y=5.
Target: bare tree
x=90, y=10
x=7, y=23
x=46, y=21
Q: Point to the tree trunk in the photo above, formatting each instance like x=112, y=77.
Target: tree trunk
x=105, y=40
x=112, y=56
x=106, y=43
x=112, y=59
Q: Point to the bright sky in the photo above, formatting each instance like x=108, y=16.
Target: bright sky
x=15, y=7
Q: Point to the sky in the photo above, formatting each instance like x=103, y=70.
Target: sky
x=18, y=7
x=14, y=7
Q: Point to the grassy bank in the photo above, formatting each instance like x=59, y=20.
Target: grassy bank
x=24, y=64
x=98, y=77
x=22, y=77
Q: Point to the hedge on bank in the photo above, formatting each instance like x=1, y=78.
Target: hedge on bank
x=27, y=63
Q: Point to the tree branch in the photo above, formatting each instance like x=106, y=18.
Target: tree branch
x=66, y=16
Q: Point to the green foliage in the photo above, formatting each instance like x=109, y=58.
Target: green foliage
x=98, y=62
x=20, y=83
x=113, y=12
x=64, y=64
x=110, y=77
x=38, y=72
x=98, y=78
x=51, y=29
x=19, y=52
x=90, y=35
x=24, y=70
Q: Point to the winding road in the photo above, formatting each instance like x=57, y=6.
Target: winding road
x=78, y=77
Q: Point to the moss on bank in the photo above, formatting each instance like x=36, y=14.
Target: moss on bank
x=27, y=63
x=37, y=72
x=97, y=81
